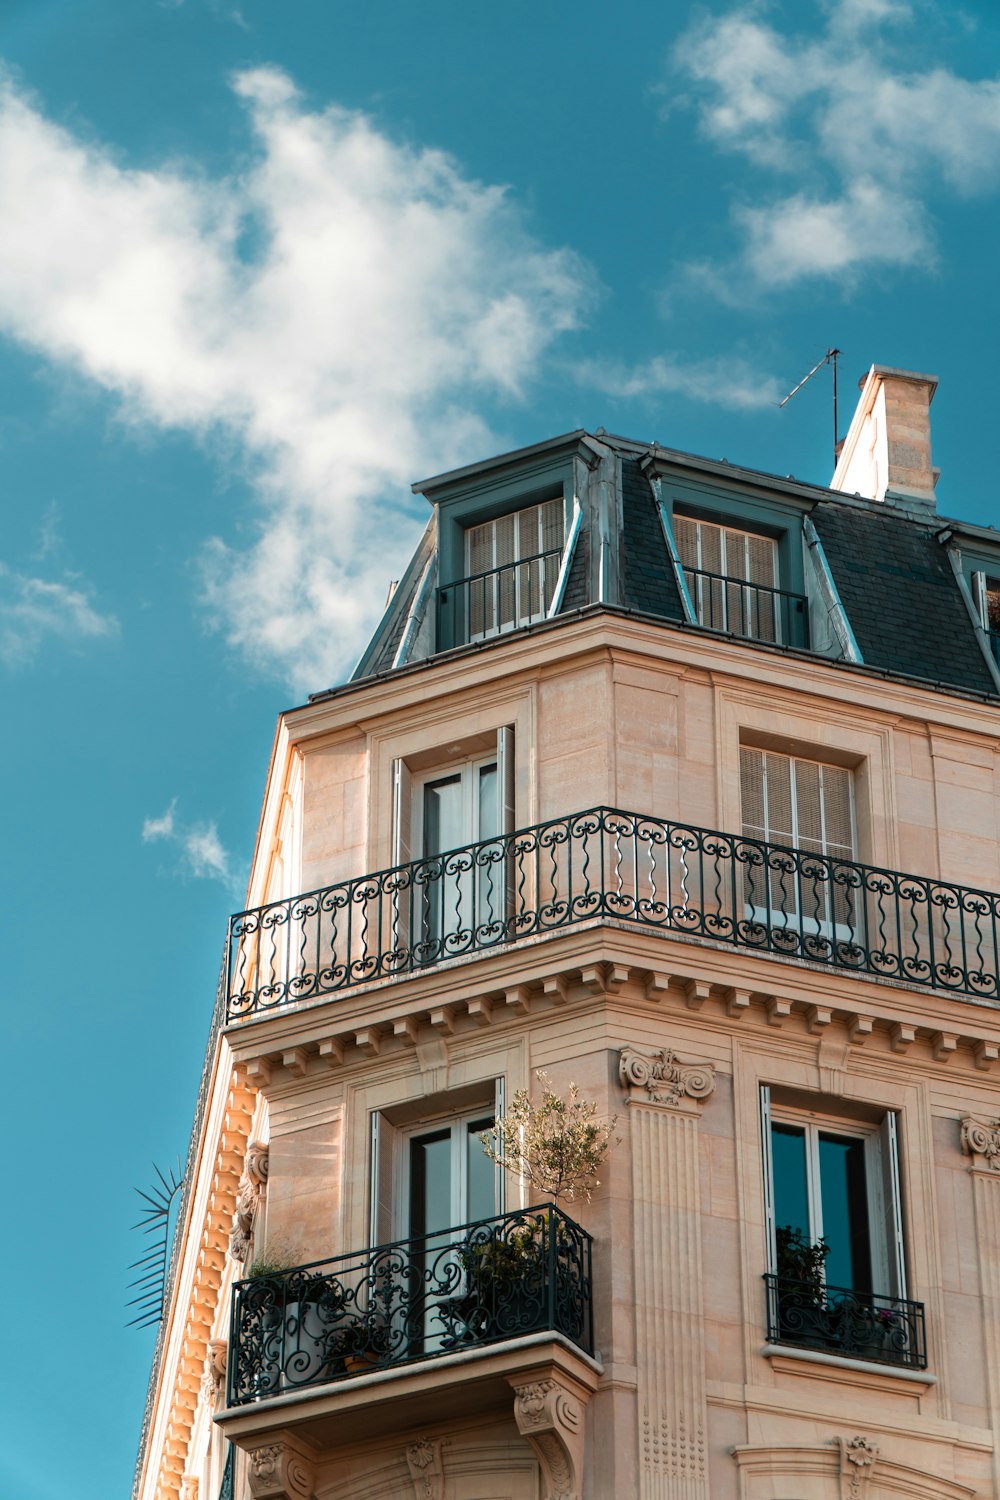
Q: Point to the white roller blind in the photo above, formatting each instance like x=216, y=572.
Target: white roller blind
x=788, y=800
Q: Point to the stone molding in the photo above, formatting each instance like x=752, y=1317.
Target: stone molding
x=549, y=1415
x=189, y=1487
x=661, y=1078
x=280, y=1470
x=423, y=1459
x=858, y=1457
x=981, y=1141
x=253, y=1184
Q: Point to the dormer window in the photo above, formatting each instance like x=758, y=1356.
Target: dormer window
x=512, y=564
x=732, y=579
x=987, y=591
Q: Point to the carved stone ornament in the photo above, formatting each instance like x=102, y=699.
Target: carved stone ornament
x=661, y=1078
x=215, y=1369
x=280, y=1471
x=252, y=1185
x=981, y=1138
x=551, y=1419
x=424, y=1461
x=858, y=1456
x=189, y=1487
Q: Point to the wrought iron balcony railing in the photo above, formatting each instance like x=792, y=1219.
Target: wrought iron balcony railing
x=228, y=1484
x=752, y=610
x=420, y=1298
x=837, y=1320
x=493, y=603
x=673, y=877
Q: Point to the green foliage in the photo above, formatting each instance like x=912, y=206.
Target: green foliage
x=271, y=1261
x=500, y=1262
x=799, y=1259
x=557, y=1145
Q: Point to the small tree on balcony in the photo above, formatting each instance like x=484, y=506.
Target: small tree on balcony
x=557, y=1145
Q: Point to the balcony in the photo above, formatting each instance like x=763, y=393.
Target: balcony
x=454, y=1291
x=675, y=878
x=737, y=607
x=836, y=1320
x=495, y=603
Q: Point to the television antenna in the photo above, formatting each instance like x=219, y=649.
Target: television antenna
x=829, y=358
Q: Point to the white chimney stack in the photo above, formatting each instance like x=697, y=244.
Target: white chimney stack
x=886, y=455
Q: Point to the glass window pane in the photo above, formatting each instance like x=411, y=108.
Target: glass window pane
x=443, y=816
x=791, y=1186
x=845, y=1212
x=430, y=1182
x=481, y=1175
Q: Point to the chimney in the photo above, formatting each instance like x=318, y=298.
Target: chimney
x=886, y=455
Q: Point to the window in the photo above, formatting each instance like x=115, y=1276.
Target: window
x=456, y=897
x=836, y=1265
x=987, y=595
x=732, y=578
x=808, y=805
x=512, y=564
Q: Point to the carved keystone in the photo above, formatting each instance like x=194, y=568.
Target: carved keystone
x=424, y=1461
x=661, y=1078
x=551, y=1419
x=280, y=1471
x=858, y=1456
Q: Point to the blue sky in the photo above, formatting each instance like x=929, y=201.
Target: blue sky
x=263, y=264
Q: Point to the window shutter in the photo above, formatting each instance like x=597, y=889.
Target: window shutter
x=778, y=798
x=979, y=596
x=553, y=525
x=381, y=1149
x=499, y=1107
x=402, y=812
x=838, y=821
x=889, y=1151
x=808, y=809
x=686, y=539
x=765, y=1153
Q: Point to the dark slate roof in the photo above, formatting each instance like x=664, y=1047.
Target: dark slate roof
x=650, y=585
x=901, y=596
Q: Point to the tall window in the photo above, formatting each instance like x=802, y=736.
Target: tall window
x=810, y=806
x=731, y=576
x=512, y=564
x=835, y=1231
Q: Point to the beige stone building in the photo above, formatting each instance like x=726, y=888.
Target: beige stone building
x=681, y=782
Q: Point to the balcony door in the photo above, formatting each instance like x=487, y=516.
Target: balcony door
x=451, y=824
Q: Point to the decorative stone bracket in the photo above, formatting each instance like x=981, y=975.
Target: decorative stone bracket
x=424, y=1461
x=281, y=1470
x=661, y=1078
x=253, y=1184
x=549, y=1414
x=981, y=1141
x=858, y=1456
x=214, y=1377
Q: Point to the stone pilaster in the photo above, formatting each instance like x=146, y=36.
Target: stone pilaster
x=981, y=1142
x=665, y=1095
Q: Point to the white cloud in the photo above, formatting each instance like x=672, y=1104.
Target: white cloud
x=730, y=382
x=386, y=298
x=864, y=137
x=35, y=611
x=202, y=851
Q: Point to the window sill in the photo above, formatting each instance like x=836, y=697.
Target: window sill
x=842, y=1362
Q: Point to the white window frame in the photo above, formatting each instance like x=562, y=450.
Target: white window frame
x=521, y=617
x=882, y=1185
x=458, y=1126
x=768, y=916
x=696, y=586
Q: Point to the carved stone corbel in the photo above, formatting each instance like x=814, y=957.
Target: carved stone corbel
x=189, y=1487
x=551, y=1419
x=215, y=1369
x=858, y=1456
x=981, y=1141
x=661, y=1078
x=424, y=1460
x=253, y=1183
x=280, y=1471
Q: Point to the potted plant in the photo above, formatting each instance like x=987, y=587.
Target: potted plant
x=803, y=1312
x=557, y=1146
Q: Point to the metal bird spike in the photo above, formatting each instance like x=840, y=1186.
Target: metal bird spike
x=150, y=1283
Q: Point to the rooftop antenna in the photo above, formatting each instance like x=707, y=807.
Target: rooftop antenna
x=829, y=358
x=150, y=1282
